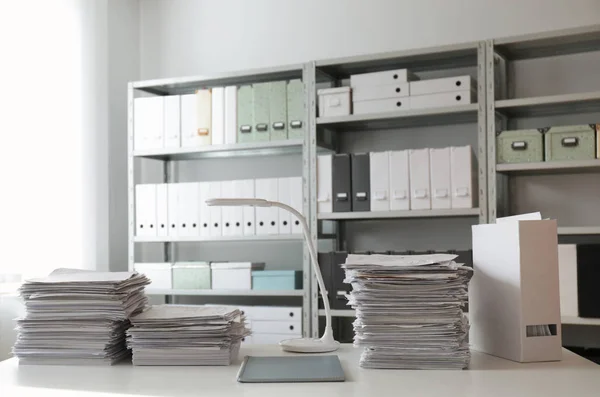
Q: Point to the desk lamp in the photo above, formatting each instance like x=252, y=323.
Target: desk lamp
x=301, y=345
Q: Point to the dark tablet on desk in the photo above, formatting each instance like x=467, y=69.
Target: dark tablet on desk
x=291, y=369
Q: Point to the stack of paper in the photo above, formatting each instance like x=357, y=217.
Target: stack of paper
x=409, y=310
x=186, y=335
x=78, y=317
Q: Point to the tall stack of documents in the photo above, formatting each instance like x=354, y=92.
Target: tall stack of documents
x=186, y=335
x=76, y=317
x=409, y=310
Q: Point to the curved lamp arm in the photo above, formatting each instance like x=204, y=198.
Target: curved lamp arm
x=328, y=334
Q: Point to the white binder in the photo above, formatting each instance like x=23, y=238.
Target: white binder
x=267, y=217
x=296, y=202
x=399, y=181
x=420, y=197
x=284, y=196
x=380, y=180
x=227, y=212
x=230, y=115
x=204, y=193
x=148, y=123
x=162, y=210
x=439, y=161
x=463, y=178
x=216, y=225
x=435, y=86
x=173, y=209
x=324, y=185
x=237, y=213
x=204, y=117
x=249, y=213
x=188, y=213
x=218, y=116
x=172, y=121
x=189, y=133
x=145, y=211
x=567, y=277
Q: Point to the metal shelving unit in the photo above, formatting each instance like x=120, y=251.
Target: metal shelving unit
x=217, y=292
x=169, y=157
x=399, y=214
x=198, y=239
x=420, y=60
x=501, y=108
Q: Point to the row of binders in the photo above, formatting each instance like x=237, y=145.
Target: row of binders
x=180, y=210
x=221, y=115
x=392, y=90
x=418, y=179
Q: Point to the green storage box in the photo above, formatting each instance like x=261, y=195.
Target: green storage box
x=262, y=124
x=576, y=142
x=245, y=114
x=295, y=109
x=278, y=110
x=276, y=279
x=191, y=275
x=520, y=146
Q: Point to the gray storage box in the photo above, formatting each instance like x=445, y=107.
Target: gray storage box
x=520, y=146
x=191, y=275
x=575, y=142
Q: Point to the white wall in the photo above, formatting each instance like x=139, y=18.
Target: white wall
x=191, y=37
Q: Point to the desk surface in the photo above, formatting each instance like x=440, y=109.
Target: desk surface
x=488, y=376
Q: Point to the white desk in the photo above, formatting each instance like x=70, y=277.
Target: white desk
x=488, y=377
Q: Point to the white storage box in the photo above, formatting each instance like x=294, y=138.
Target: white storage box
x=420, y=196
x=463, y=177
x=277, y=327
x=514, y=303
x=233, y=275
x=382, y=78
x=160, y=274
x=369, y=93
x=270, y=339
x=443, y=99
x=381, y=105
x=272, y=313
x=334, y=102
x=435, y=86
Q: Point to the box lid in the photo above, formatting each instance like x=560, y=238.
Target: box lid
x=190, y=265
x=572, y=129
x=275, y=273
x=237, y=265
x=152, y=266
x=336, y=90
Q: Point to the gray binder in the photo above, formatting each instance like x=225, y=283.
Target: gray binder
x=291, y=369
x=341, y=183
x=361, y=182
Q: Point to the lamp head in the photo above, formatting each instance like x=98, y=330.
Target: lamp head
x=236, y=202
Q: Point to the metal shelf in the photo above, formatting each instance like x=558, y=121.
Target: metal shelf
x=402, y=118
x=443, y=57
x=213, y=292
x=550, y=167
x=584, y=102
x=400, y=214
x=184, y=85
x=546, y=44
x=578, y=230
x=223, y=239
x=579, y=320
x=233, y=150
x=339, y=313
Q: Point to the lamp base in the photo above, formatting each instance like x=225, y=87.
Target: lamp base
x=307, y=345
